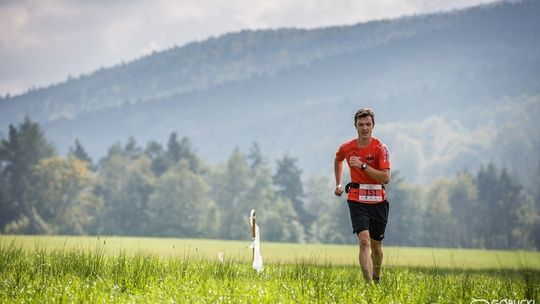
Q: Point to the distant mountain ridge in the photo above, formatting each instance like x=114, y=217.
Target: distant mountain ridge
x=228, y=58
x=294, y=90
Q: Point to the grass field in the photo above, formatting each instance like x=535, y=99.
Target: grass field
x=158, y=270
x=284, y=252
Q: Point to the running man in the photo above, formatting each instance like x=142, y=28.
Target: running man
x=369, y=164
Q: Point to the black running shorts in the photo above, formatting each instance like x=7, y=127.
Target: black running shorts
x=372, y=217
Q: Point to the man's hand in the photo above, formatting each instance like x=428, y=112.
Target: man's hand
x=355, y=162
x=339, y=190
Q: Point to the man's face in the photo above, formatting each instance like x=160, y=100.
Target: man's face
x=364, y=127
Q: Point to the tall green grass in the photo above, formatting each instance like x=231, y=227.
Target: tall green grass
x=284, y=253
x=90, y=275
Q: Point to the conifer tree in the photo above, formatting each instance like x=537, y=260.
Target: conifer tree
x=80, y=153
x=19, y=153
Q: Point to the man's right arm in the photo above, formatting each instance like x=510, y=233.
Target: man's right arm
x=338, y=169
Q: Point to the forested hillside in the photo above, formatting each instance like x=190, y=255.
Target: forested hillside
x=294, y=90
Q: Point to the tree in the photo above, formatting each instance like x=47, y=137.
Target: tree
x=255, y=157
x=281, y=223
x=7, y=212
x=330, y=214
x=405, y=220
x=521, y=212
x=502, y=204
x=23, y=149
x=80, y=153
x=535, y=229
x=111, y=188
x=132, y=149
x=156, y=153
x=139, y=186
x=231, y=187
x=289, y=185
x=537, y=178
x=176, y=151
x=63, y=195
x=125, y=185
x=181, y=205
x=238, y=187
x=523, y=231
x=488, y=196
x=437, y=217
x=263, y=194
x=463, y=199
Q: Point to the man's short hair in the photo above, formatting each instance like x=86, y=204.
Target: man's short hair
x=364, y=112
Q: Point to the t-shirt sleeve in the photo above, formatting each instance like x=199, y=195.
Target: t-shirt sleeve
x=340, y=154
x=384, y=157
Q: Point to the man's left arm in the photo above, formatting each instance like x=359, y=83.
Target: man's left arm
x=382, y=176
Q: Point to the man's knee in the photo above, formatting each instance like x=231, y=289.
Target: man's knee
x=363, y=239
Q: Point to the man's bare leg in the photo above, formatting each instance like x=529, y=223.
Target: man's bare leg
x=376, y=257
x=364, y=257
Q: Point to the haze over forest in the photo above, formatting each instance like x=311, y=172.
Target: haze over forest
x=451, y=91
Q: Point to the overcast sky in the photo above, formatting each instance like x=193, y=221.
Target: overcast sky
x=44, y=41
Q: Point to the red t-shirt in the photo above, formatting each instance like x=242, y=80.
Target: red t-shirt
x=375, y=155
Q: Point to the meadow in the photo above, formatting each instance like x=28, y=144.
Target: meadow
x=160, y=270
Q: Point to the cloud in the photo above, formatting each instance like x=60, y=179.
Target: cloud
x=41, y=42
x=14, y=22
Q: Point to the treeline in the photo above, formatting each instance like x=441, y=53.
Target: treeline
x=488, y=209
x=167, y=190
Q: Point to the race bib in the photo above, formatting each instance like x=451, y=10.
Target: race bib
x=371, y=193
